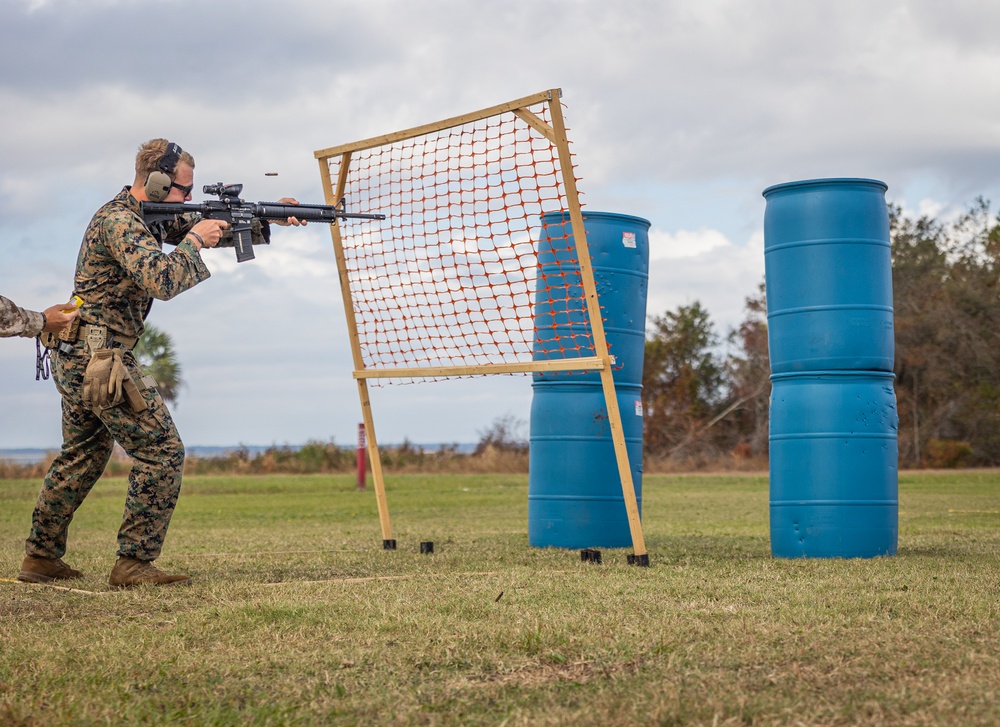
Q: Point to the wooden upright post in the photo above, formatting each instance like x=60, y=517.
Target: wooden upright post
x=332, y=197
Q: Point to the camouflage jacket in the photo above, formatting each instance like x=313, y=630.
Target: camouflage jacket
x=16, y=321
x=122, y=267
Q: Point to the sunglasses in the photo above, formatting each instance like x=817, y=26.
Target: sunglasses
x=186, y=190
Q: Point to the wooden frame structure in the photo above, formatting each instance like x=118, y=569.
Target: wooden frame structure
x=602, y=362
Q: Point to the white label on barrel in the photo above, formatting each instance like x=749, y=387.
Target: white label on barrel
x=638, y=408
x=628, y=239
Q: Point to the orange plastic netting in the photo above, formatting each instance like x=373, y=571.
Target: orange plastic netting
x=452, y=276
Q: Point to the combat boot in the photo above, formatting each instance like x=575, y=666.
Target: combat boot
x=129, y=572
x=44, y=570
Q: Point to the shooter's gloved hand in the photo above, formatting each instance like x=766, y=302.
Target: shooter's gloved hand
x=103, y=379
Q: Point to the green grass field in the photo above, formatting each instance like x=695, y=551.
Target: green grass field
x=297, y=615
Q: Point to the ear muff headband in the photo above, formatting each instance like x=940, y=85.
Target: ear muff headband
x=158, y=183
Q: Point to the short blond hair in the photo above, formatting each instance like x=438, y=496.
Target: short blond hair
x=150, y=154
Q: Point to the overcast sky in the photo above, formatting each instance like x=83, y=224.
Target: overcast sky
x=679, y=112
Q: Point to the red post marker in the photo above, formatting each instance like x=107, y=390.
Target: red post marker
x=362, y=456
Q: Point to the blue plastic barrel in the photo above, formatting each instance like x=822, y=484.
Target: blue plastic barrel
x=574, y=492
x=828, y=275
x=574, y=489
x=833, y=465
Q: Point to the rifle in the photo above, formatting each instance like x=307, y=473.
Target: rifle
x=239, y=214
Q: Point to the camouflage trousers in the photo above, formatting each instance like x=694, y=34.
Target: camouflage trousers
x=149, y=438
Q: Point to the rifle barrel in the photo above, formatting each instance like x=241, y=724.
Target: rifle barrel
x=307, y=212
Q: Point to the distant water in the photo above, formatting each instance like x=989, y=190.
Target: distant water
x=23, y=456
x=35, y=455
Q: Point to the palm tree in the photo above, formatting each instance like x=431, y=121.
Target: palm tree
x=155, y=354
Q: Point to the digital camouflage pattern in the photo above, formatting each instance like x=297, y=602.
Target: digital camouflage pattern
x=120, y=270
x=16, y=321
x=149, y=438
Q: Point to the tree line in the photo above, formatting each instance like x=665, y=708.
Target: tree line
x=706, y=396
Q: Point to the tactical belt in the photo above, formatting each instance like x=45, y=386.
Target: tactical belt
x=100, y=337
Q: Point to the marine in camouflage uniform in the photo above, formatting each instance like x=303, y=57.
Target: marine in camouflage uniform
x=121, y=268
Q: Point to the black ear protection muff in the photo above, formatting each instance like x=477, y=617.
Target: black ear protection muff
x=158, y=183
